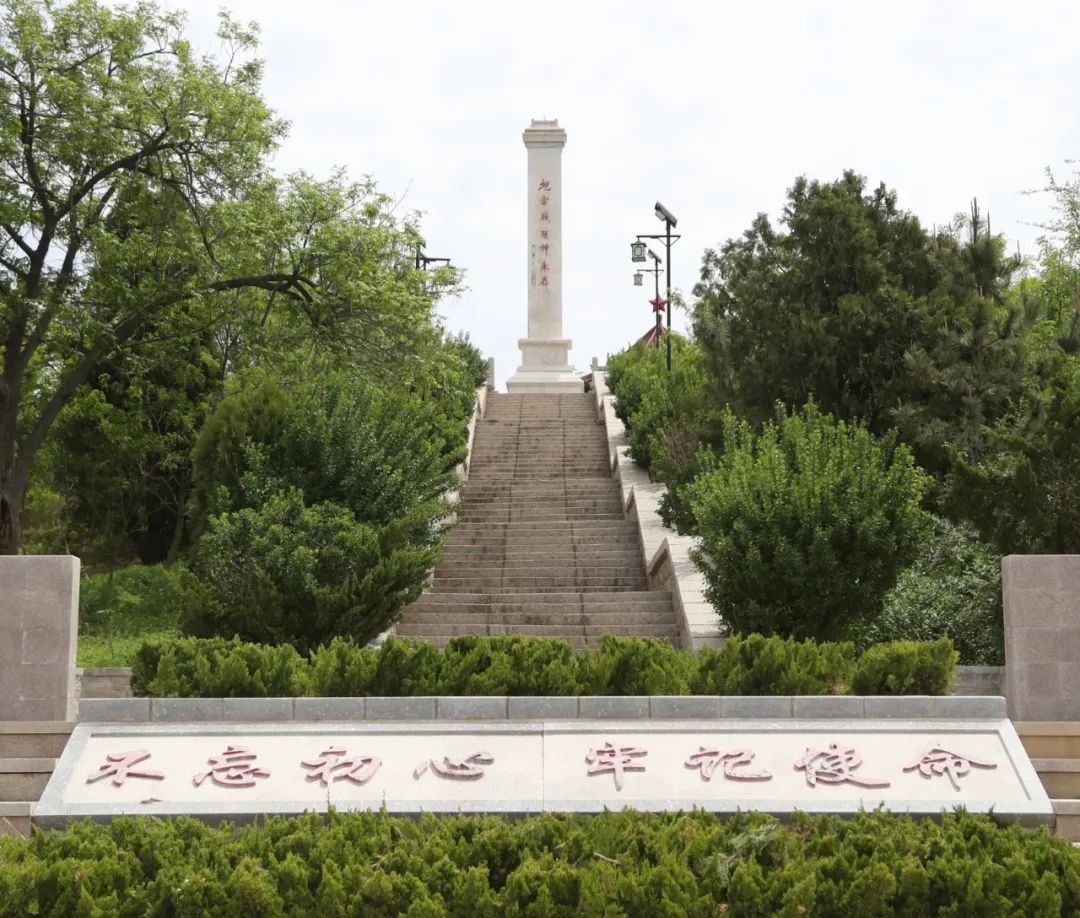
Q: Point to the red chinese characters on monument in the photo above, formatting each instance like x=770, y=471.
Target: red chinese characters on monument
x=233, y=768
x=936, y=760
x=466, y=769
x=834, y=765
x=544, y=199
x=709, y=759
x=119, y=767
x=359, y=768
x=615, y=760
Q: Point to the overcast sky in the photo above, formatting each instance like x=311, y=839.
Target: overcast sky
x=712, y=107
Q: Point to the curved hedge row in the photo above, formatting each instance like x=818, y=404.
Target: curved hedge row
x=473, y=665
x=623, y=863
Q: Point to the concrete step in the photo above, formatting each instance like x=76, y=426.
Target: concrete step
x=632, y=601
x=34, y=738
x=559, y=526
x=535, y=596
x=15, y=818
x=1067, y=813
x=445, y=630
x=535, y=516
x=476, y=489
x=472, y=584
x=1050, y=739
x=601, y=552
x=1060, y=777
x=608, y=620
x=24, y=778
x=531, y=568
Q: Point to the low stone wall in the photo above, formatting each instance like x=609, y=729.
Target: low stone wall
x=528, y=707
x=116, y=682
x=666, y=553
x=103, y=682
x=979, y=680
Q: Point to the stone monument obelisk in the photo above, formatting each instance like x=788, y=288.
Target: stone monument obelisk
x=545, y=363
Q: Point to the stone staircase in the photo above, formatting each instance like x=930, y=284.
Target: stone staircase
x=1054, y=748
x=28, y=754
x=542, y=546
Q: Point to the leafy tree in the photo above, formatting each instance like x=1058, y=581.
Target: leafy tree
x=122, y=452
x=805, y=525
x=854, y=304
x=334, y=436
x=136, y=208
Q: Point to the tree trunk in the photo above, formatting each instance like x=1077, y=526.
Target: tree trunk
x=178, y=532
x=11, y=501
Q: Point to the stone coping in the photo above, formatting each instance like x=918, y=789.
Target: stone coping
x=666, y=553
x=531, y=708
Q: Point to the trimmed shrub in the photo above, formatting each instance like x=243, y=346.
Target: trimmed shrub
x=806, y=524
x=476, y=665
x=952, y=590
x=216, y=668
x=758, y=665
x=906, y=668
x=621, y=863
x=303, y=575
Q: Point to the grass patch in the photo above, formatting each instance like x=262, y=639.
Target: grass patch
x=121, y=610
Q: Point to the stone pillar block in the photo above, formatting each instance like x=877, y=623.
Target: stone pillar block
x=1042, y=636
x=39, y=618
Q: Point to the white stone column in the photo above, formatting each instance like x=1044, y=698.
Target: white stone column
x=545, y=363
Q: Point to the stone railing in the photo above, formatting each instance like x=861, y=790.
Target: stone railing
x=666, y=553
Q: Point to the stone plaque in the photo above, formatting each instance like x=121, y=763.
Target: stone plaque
x=237, y=771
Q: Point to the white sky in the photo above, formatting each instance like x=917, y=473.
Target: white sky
x=712, y=107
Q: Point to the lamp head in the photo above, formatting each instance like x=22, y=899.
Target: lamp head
x=637, y=251
x=638, y=278
x=665, y=215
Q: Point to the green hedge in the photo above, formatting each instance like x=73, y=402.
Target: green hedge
x=625, y=863
x=473, y=665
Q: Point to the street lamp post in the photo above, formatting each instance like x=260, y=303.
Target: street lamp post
x=637, y=250
x=422, y=260
x=656, y=303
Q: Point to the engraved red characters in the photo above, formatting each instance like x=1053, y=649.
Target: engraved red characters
x=466, y=769
x=359, y=768
x=615, y=760
x=118, y=766
x=233, y=768
x=937, y=760
x=834, y=766
x=708, y=760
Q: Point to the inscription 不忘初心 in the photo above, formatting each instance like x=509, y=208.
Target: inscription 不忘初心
x=235, y=767
x=359, y=769
x=467, y=769
x=118, y=766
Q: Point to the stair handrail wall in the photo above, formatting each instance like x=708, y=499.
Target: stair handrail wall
x=666, y=553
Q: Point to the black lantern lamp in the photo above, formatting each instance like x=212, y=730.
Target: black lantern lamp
x=637, y=251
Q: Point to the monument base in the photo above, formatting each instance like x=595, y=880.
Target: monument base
x=544, y=368
x=552, y=379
